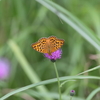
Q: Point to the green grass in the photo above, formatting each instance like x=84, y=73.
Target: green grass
x=23, y=22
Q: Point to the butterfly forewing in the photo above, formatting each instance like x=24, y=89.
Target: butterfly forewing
x=55, y=43
x=40, y=46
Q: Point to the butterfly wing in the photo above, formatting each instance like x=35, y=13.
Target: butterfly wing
x=40, y=46
x=55, y=43
x=48, y=45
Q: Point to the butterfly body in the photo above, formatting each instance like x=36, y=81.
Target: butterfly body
x=48, y=45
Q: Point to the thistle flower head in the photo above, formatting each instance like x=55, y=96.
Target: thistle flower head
x=72, y=92
x=54, y=56
x=4, y=68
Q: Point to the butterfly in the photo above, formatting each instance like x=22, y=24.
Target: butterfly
x=48, y=45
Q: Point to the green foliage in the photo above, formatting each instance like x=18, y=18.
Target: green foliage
x=23, y=22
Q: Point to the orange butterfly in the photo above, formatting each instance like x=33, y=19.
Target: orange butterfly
x=48, y=45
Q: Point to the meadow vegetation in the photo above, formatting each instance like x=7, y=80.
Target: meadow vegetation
x=23, y=22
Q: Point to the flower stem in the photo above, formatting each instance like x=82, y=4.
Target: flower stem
x=58, y=81
x=70, y=97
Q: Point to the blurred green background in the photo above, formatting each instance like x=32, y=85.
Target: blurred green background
x=23, y=22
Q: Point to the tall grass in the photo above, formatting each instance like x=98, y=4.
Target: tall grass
x=23, y=22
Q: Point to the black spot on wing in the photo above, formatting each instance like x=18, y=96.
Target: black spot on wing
x=42, y=40
x=52, y=40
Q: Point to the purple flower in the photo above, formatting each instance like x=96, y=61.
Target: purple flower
x=4, y=68
x=72, y=92
x=54, y=56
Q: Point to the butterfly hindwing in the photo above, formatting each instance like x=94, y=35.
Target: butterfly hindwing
x=59, y=43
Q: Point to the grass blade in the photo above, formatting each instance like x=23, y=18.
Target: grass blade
x=47, y=82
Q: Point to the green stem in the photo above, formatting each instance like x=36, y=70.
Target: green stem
x=58, y=81
x=70, y=97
